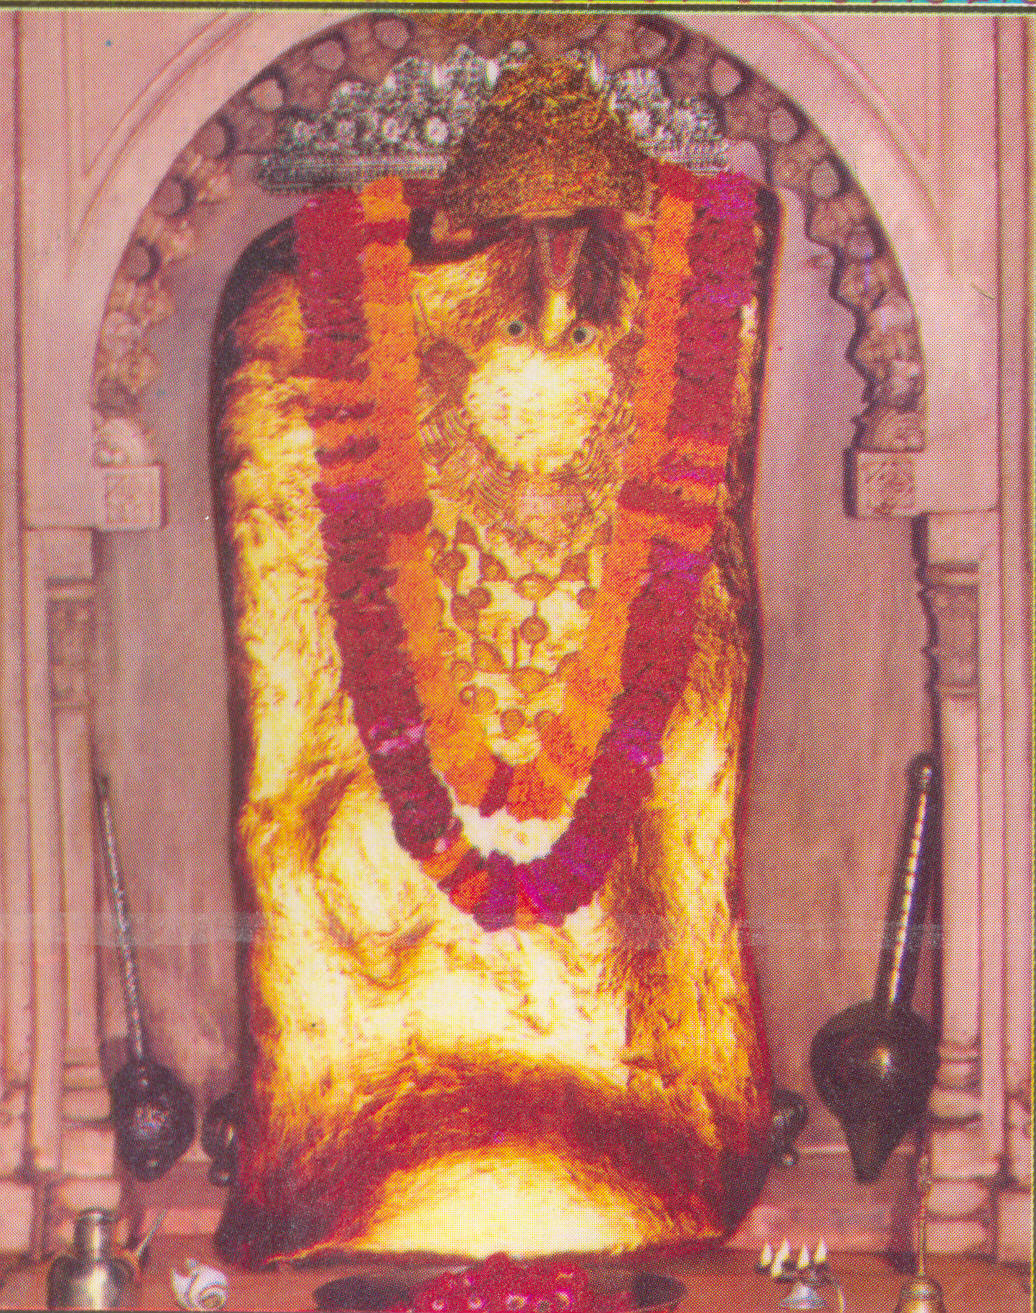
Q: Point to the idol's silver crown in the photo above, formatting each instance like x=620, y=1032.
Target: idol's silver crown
x=409, y=124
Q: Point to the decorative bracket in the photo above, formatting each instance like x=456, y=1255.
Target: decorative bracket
x=128, y=497
x=882, y=483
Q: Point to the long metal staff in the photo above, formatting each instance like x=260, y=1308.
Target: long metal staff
x=874, y=1064
x=152, y=1109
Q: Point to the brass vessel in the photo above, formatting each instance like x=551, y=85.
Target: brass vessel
x=94, y=1275
x=921, y=1294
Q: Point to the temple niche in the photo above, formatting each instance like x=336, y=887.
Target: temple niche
x=869, y=572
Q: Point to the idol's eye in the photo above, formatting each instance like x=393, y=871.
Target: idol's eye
x=583, y=334
x=516, y=329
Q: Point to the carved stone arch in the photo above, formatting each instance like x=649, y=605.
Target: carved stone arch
x=194, y=203
x=886, y=347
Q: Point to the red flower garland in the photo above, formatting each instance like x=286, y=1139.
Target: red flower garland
x=500, y=1284
x=678, y=489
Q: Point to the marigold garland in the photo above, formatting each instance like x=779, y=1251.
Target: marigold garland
x=692, y=397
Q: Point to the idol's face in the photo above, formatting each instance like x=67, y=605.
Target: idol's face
x=531, y=325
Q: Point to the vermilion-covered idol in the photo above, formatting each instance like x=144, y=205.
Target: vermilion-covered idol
x=484, y=450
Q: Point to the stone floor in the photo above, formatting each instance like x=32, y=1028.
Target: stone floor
x=725, y=1280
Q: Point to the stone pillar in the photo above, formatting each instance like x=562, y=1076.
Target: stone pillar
x=48, y=1002
x=56, y=1139
x=87, y=1170
x=967, y=1105
x=16, y=1194
x=1016, y=97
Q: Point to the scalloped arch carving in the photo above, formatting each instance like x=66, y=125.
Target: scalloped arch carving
x=885, y=347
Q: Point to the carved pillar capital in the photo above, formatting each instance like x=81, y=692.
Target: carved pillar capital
x=70, y=630
x=68, y=572
x=950, y=594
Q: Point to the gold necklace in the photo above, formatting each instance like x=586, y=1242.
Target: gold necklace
x=556, y=512
x=517, y=558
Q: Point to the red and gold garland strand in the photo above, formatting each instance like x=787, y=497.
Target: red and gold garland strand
x=690, y=400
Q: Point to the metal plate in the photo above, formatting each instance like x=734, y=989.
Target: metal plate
x=373, y=1292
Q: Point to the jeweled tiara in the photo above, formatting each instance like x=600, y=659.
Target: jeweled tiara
x=410, y=123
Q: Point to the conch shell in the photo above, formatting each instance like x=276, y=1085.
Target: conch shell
x=200, y=1287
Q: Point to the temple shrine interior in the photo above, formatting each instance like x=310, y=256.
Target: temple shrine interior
x=249, y=377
